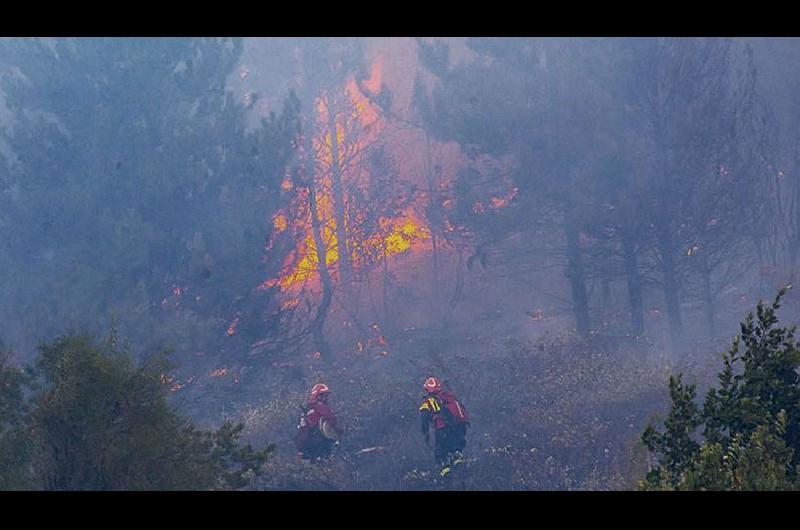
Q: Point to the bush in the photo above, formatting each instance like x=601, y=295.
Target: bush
x=14, y=450
x=751, y=439
x=98, y=422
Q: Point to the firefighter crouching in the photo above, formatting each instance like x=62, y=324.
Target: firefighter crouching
x=317, y=430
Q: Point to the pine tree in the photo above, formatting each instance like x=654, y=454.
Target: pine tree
x=751, y=419
x=101, y=423
x=14, y=447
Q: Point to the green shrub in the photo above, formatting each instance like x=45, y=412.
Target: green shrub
x=751, y=438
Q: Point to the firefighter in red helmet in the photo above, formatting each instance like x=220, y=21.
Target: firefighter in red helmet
x=446, y=416
x=317, y=430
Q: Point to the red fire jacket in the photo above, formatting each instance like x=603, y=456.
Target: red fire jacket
x=317, y=410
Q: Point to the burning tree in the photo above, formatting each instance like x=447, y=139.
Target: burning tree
x=512, y=105
x=349, y=212
x=610, y=134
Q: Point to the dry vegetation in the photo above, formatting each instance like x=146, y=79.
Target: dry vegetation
x=558, y=413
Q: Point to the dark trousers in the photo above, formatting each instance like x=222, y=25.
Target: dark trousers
x=449, y=440
x=317, y=447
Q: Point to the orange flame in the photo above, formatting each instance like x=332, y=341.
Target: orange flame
x=290, y=303
x=357, y=124
x=232, y=327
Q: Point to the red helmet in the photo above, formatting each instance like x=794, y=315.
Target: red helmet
x=432, y=384
x=319, y=388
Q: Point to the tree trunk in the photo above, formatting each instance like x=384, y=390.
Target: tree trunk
x=760, y=256
x=708, y=299
x=433, y=226
x=339, y=211
x=318, y=325
x=634, y=283
x=580, y=300
x=385, y=285
x=670, y=284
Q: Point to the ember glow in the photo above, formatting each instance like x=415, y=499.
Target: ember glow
x=232, y=327
x=280, y=222
x=502, y=202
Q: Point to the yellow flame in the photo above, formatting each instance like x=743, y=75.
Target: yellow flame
x=401, y=238
x=397, y=235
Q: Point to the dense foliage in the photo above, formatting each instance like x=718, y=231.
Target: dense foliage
x=14, y=449
x=751, y=419
x=134, y=187
x=95, y=421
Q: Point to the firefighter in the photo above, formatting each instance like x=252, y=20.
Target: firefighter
x=318, y=430
x=442, y=412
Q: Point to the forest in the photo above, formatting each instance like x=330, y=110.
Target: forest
x=590, y=241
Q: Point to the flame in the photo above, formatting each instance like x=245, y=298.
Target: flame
x=499, y=202
x=232, y=327
x=356, y=125
x=398, y=235
x=290, y=303
x=174, y=384
x=177, y=294
x=502, y=202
